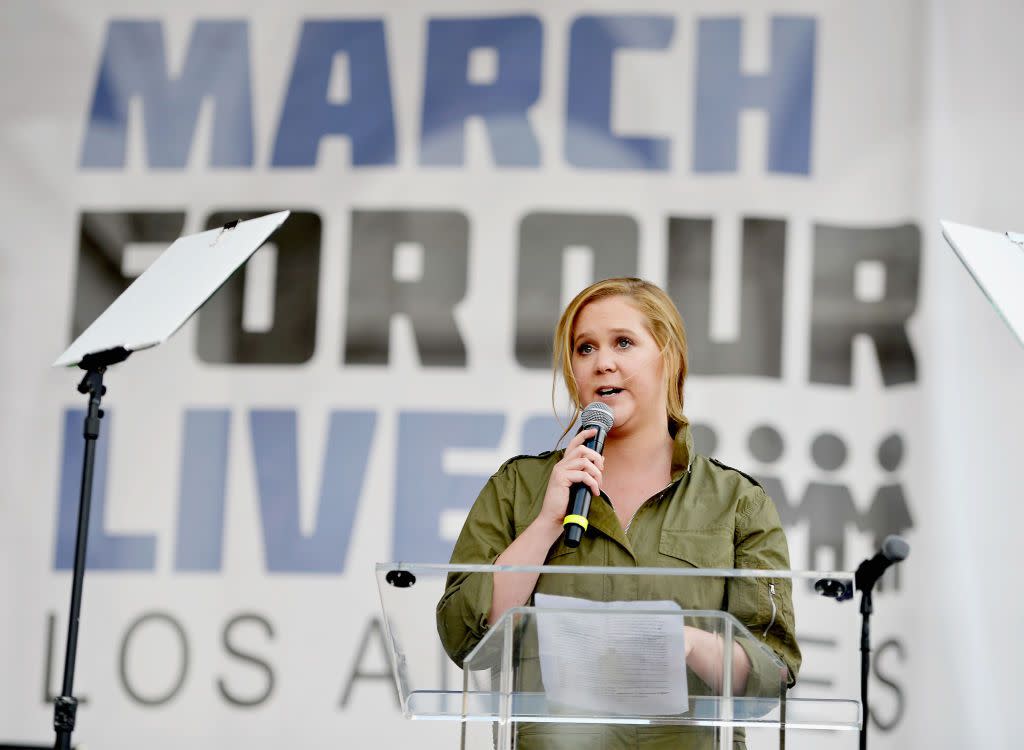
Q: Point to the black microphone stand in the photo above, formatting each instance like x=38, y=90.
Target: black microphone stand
x=894, y=550
x=866, y=609
x=95, y=365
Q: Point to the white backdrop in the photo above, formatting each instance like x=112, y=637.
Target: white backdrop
x=211, y=540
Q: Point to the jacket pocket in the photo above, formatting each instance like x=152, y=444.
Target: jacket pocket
x=703, y=549
x=699, y=548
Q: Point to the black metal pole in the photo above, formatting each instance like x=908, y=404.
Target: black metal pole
x=866, y=609
x=65, y=705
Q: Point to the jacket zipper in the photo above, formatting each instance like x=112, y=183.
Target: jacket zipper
x=657, y=494
x=771, y=597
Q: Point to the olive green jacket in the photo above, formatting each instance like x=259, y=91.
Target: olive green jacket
x=710, y=516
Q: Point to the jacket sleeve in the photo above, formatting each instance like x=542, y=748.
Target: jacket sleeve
x=488, y=530
x=764, y=605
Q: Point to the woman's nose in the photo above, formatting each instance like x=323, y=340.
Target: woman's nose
x=605, y=361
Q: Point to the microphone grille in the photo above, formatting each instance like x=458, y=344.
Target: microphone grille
x=895, y=548
x=597, y=414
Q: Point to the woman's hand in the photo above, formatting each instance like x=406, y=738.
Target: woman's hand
x=705, y=655
x=690, y=637
x=581, y=465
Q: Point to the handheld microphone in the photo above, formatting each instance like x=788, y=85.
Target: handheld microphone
x=600, y=416
x=894, y=549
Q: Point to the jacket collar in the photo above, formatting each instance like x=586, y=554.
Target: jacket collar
x=682, y=451
x=602, y=516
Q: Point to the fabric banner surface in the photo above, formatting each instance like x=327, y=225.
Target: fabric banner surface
x=455, y=175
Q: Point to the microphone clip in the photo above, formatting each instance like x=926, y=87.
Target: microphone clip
x=840, y=589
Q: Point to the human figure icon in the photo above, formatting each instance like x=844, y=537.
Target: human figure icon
x=767, y=446
x=705, y=439
x=889, y=512
x=828, y=506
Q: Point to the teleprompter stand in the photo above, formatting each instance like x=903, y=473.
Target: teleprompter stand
x=146, y=314
x=95, y=365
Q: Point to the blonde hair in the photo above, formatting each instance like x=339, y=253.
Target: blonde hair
x=663, y=323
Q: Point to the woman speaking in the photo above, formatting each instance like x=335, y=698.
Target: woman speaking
x=621, y=342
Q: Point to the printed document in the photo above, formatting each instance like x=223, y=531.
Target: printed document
x=620, y=664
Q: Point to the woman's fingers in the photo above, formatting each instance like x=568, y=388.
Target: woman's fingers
x=582, y=450
x=578, y=476
x=579, y=465
x=580, y=438
x=576, y=467
x=589, y=466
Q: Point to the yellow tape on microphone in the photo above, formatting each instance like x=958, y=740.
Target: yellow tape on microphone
x=581, y=520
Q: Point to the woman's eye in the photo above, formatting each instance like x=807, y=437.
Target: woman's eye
x=624, y=343
x=584, y=349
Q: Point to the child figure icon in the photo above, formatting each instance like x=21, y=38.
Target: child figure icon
x=889, y=512
x=766, y=445
x=828, y=506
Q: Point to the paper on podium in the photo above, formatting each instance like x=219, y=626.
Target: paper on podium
x=996, y=261
x=625, y=664
x=177, y=283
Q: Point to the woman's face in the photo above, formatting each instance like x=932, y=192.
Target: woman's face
x=616, y=360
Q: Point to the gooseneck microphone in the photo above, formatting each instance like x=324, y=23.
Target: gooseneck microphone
x=600, y=416
x=894, y=549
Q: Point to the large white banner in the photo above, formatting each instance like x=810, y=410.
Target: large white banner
x=455, y=175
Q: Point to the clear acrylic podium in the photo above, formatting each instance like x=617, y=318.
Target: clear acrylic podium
x=589, y=672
